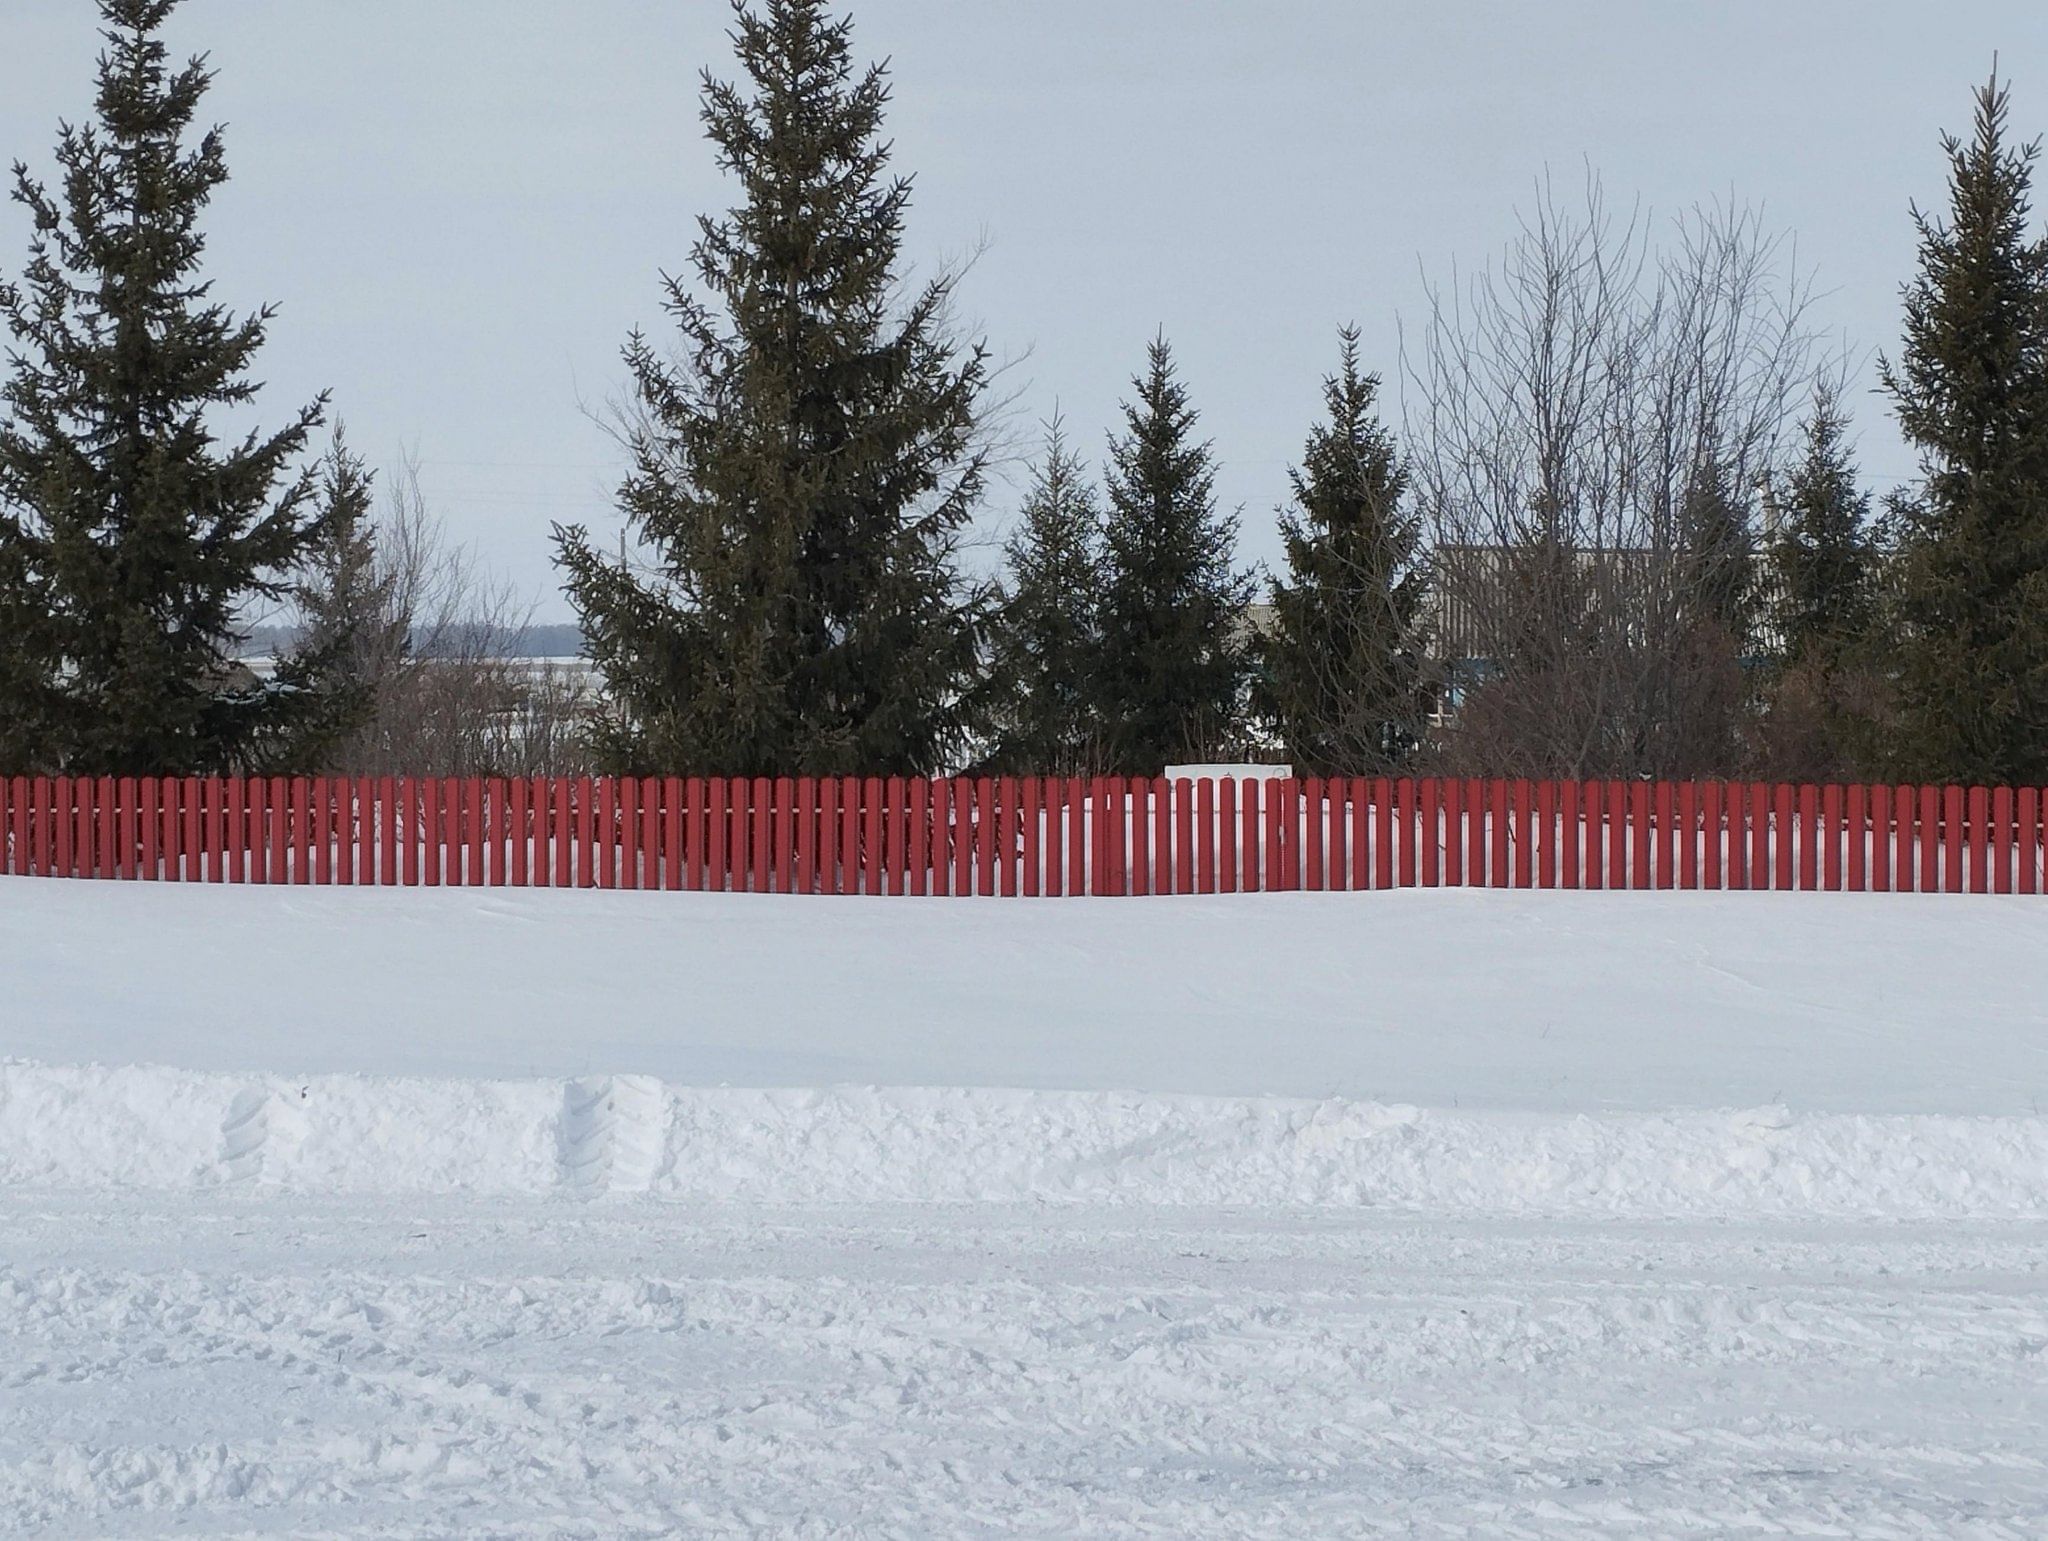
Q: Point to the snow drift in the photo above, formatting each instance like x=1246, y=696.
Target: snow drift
x=605, y=1136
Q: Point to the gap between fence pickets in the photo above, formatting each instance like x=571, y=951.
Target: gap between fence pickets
x=1029, y=837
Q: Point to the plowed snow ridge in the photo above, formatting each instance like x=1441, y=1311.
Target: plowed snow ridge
x=153, y=1128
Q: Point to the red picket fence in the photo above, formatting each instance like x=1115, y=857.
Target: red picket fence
x=1032, y=836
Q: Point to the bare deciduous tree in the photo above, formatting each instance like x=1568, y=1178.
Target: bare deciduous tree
x=1590, y=422
x=448, y=698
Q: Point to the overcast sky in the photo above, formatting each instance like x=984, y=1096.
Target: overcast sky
x=462, y=207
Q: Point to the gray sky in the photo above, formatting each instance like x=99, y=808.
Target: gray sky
x=462, y=207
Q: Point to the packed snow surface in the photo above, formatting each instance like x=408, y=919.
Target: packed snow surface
x=1535, y=1002
x=436, y=1213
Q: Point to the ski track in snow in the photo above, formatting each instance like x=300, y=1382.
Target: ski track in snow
x=630, y=1368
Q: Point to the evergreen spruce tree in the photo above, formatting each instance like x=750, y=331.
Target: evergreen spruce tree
x=131, y=538
x=1175, y=664
x=1970, y=617
x=1819, y=556
x=1343, y=677
x=1045, y=649
x=352, y=632
x=802, y=478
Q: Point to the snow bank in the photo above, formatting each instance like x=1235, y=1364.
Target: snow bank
x=1553, y=1003
x=603, y=1136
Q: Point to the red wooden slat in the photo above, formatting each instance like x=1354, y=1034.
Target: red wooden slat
x=2000, y=841
x=50, y=834
x=1184, y=846
x=1278, y=801
x=1912, y=868
x=299, y=830
x=1031, y=832
x=1138, y=871
x=519, y=847
x=1931, y=844
x=1082, y=835
x=960, y=838
x=762, y=836
x=1525, y=834
x=1251, y=830
x=320, y=801
x=895, y=836
x=1205, y=835
x=126, y=830
x=988, y=822
x=625, y=831
x=1338, y=868
x=1313, y=833
x=785, y=835
x=689, y=836
x=242, y=812
x=106, y=827
x=384, y=837
x=582, y=832
x=1571, y=833
x=127, y=834
x=1009, y=836
x=159, y=830
x=1664, y=815
x=66, y=797
x=942, y=837
x=1546, y=834
x=828, y=835
x=1162, y=837
x=717, y=824
x=2029, y=839
x=804, y=839
x=650, y=831
x=269, y=813
x=1784, y=837
x=1428, y=817
x=211, y=844
x=1831, y=839
x=1713, y=835
x=672, y=833
x=1472, y=816
x=360, y=837
x=852, y=859
x=1687, y=814
x=1758, y=863
x=1977, y=821
x=1500, y=835
x=1855, y=839
x=917, y=834
x=1877, y=868
x=1382, y=832
x=1804, y=820
x=1616, y=794
x=1450, y=797
x=1639, y=864
x=1053, y=874
x=1226, y=836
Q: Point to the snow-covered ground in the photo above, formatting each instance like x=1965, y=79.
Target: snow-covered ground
x=332, y=1213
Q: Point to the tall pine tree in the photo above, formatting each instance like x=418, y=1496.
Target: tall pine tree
x=1175, y=663
x=1971, y=390
x=131, y=538
x=1045, y=643
x=1343, y=677
x=802, y=478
